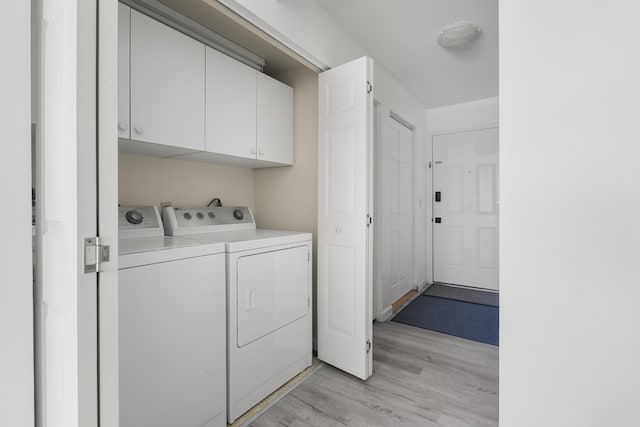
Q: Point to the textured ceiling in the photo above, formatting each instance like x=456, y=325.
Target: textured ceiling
x=401, y=36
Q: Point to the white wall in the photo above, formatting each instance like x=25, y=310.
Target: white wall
x=468, y=115
x=451, y=118
x=570, y=211
x=16, y=301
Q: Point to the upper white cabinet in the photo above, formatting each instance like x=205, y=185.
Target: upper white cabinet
x=230, y=106
x=274, y=121
x=167, y=85
x=180, y=98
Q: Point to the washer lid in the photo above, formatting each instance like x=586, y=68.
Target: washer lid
x=154, y=243
x=159, y=249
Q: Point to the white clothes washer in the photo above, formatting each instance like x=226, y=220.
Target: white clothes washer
x=171, y=326
x=269, y=314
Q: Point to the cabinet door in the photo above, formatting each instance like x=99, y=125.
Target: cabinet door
x=275, y=121
x=230, y=106
x=124, y=28
x=167, y=85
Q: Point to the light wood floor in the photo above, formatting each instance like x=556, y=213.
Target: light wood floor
x=420, y=378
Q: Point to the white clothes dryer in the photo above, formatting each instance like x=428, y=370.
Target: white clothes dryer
x=171, y=326
x=269, y=314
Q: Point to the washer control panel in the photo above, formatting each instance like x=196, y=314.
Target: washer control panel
x=180, y=221
x=139, y=221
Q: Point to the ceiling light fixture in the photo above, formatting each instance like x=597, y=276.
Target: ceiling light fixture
x=456, y=35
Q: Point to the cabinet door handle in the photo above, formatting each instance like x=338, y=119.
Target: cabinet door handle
x=253, y=151
x=122, y=125
x=261, y=152
x=139, y=130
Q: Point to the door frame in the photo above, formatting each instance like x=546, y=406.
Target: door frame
x=430, y=136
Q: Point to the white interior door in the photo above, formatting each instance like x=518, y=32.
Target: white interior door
x=66, y=174
x=396, y=208
x=344, y=203
x=465, y=208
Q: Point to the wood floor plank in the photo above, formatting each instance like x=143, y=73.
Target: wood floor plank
x=420, y=378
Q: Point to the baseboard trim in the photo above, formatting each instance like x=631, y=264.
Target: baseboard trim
x=423, y=286
x=385, y=314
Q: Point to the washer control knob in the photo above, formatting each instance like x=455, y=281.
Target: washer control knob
x=237, y=214
x=200, y=215
x=134, y=217
x=212, y=215
x=187, y=216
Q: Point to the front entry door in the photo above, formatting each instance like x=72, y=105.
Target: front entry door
x=465, y=208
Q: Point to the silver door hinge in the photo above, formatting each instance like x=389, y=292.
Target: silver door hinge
x=94, y=254
x=369, y=87
x=368, y=346
x=369, y=220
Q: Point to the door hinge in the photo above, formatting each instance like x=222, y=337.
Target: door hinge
x=369, y=87
x=94, y=254
x=368, y=346
x=369, y=220
x=308, y=256
x=308, y=302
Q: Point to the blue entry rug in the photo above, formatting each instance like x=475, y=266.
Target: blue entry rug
x=463, y=319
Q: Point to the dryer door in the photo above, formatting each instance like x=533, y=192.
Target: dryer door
x=273, y=291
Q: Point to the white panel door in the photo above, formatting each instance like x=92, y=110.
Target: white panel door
x=345, y=122
x=167, y=85
x=465, y=227
x=396, y=208
x=67, y=380
x=231, y=106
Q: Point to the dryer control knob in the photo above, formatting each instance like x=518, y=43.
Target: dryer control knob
x=134, y=217
x=237, y=214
